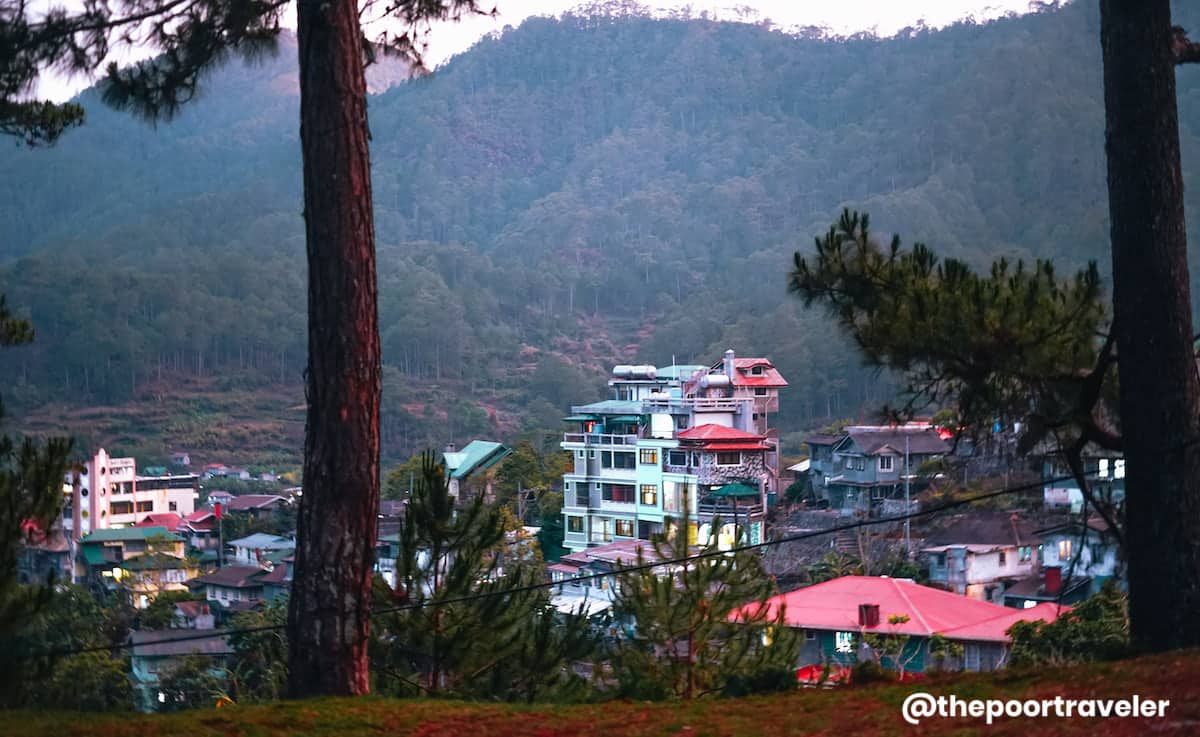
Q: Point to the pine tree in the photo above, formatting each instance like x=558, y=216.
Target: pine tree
x=31, y=479
x=1015, y=343
x=467, y=622
x=699, y=627
x=329, y=619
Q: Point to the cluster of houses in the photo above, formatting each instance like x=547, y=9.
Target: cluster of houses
x=697, y=441
x=669, y=443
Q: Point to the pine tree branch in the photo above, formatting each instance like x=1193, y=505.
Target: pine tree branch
x=1184, y=49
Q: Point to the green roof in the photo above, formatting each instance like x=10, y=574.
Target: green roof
x=735, y=491
x=94, y=555
x=610, y=407
x=127, y=534
x=477, y=455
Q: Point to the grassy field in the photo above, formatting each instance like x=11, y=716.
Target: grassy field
x=858, y=712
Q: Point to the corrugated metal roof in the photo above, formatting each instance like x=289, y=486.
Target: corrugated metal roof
x=477, y=455
x=127, y=534
x=833, y=605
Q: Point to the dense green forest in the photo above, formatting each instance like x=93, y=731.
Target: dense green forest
x=570, y=194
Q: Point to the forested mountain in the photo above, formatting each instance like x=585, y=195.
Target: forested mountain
x=571, y=194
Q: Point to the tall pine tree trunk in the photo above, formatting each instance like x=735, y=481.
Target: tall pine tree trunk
x=1160, y=394
x=329, y=610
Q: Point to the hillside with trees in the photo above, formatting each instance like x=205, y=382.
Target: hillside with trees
x=571, y=194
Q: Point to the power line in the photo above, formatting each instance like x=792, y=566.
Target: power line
x=858, y=524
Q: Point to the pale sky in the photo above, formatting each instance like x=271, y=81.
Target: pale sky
x=882, y=17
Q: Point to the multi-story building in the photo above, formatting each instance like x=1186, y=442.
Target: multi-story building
x=866, y=465
x=670, y=441
x=107, y=493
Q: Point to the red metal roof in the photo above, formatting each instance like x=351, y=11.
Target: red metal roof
x=770, y=376
x=734, y=446
x=169, y=520
x=717, y=433
x=833, y=605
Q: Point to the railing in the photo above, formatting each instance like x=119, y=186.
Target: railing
x=725, y=511
x=696, y=403
x=599, y=438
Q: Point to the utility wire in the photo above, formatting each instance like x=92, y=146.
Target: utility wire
x=858, y=524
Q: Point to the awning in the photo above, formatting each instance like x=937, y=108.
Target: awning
x=581, y=418
x=624, y=418
x=736, y=490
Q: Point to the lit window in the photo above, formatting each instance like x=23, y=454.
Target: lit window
x=648, y=455
x=1119, y=468
x=1064, y=549
x=649, y=494
x=1103, y=467
x=574, y=524
x=624, y=528
x=843, y=642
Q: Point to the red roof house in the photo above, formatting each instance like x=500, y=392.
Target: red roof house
x=756, y=372
x=837, y=613
x=169, y=520
x=718, y=437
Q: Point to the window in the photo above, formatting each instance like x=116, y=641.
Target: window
x=592, y=454
x=1003, y=559
x=760, y=391
x=173, y=506
x=887, y=463
x=940, y=560
x=843, y=642
x=624, y=528
x=566, y=486
x=1103, y=468
x=616, y=459
x=729, y=458
x=145, y=506
x=648, y=455
x=756, y=371
x=574, y=524
x=1024, y=553
x=1119, y=468
x=677, y=458
x=810, y=635
x=649, y=494
x=121, y=507
x=617, y=493
x=579, y=454
x=1064, y=549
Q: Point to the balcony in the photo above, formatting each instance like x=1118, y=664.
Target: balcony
x=697, y=404
x=597, y=439
x=725, y=511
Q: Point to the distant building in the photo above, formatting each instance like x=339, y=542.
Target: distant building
x=674, y=439
x=1104, y=471
x=108, y=493
x=468, y=467
x=864, y=466
x=156, y=653
x=253, y=550
x=144, y=561
x=194, y=615
x=981, y=554
x=241, y=587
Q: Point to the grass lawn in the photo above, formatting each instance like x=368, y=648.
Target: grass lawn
x=852, y=712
